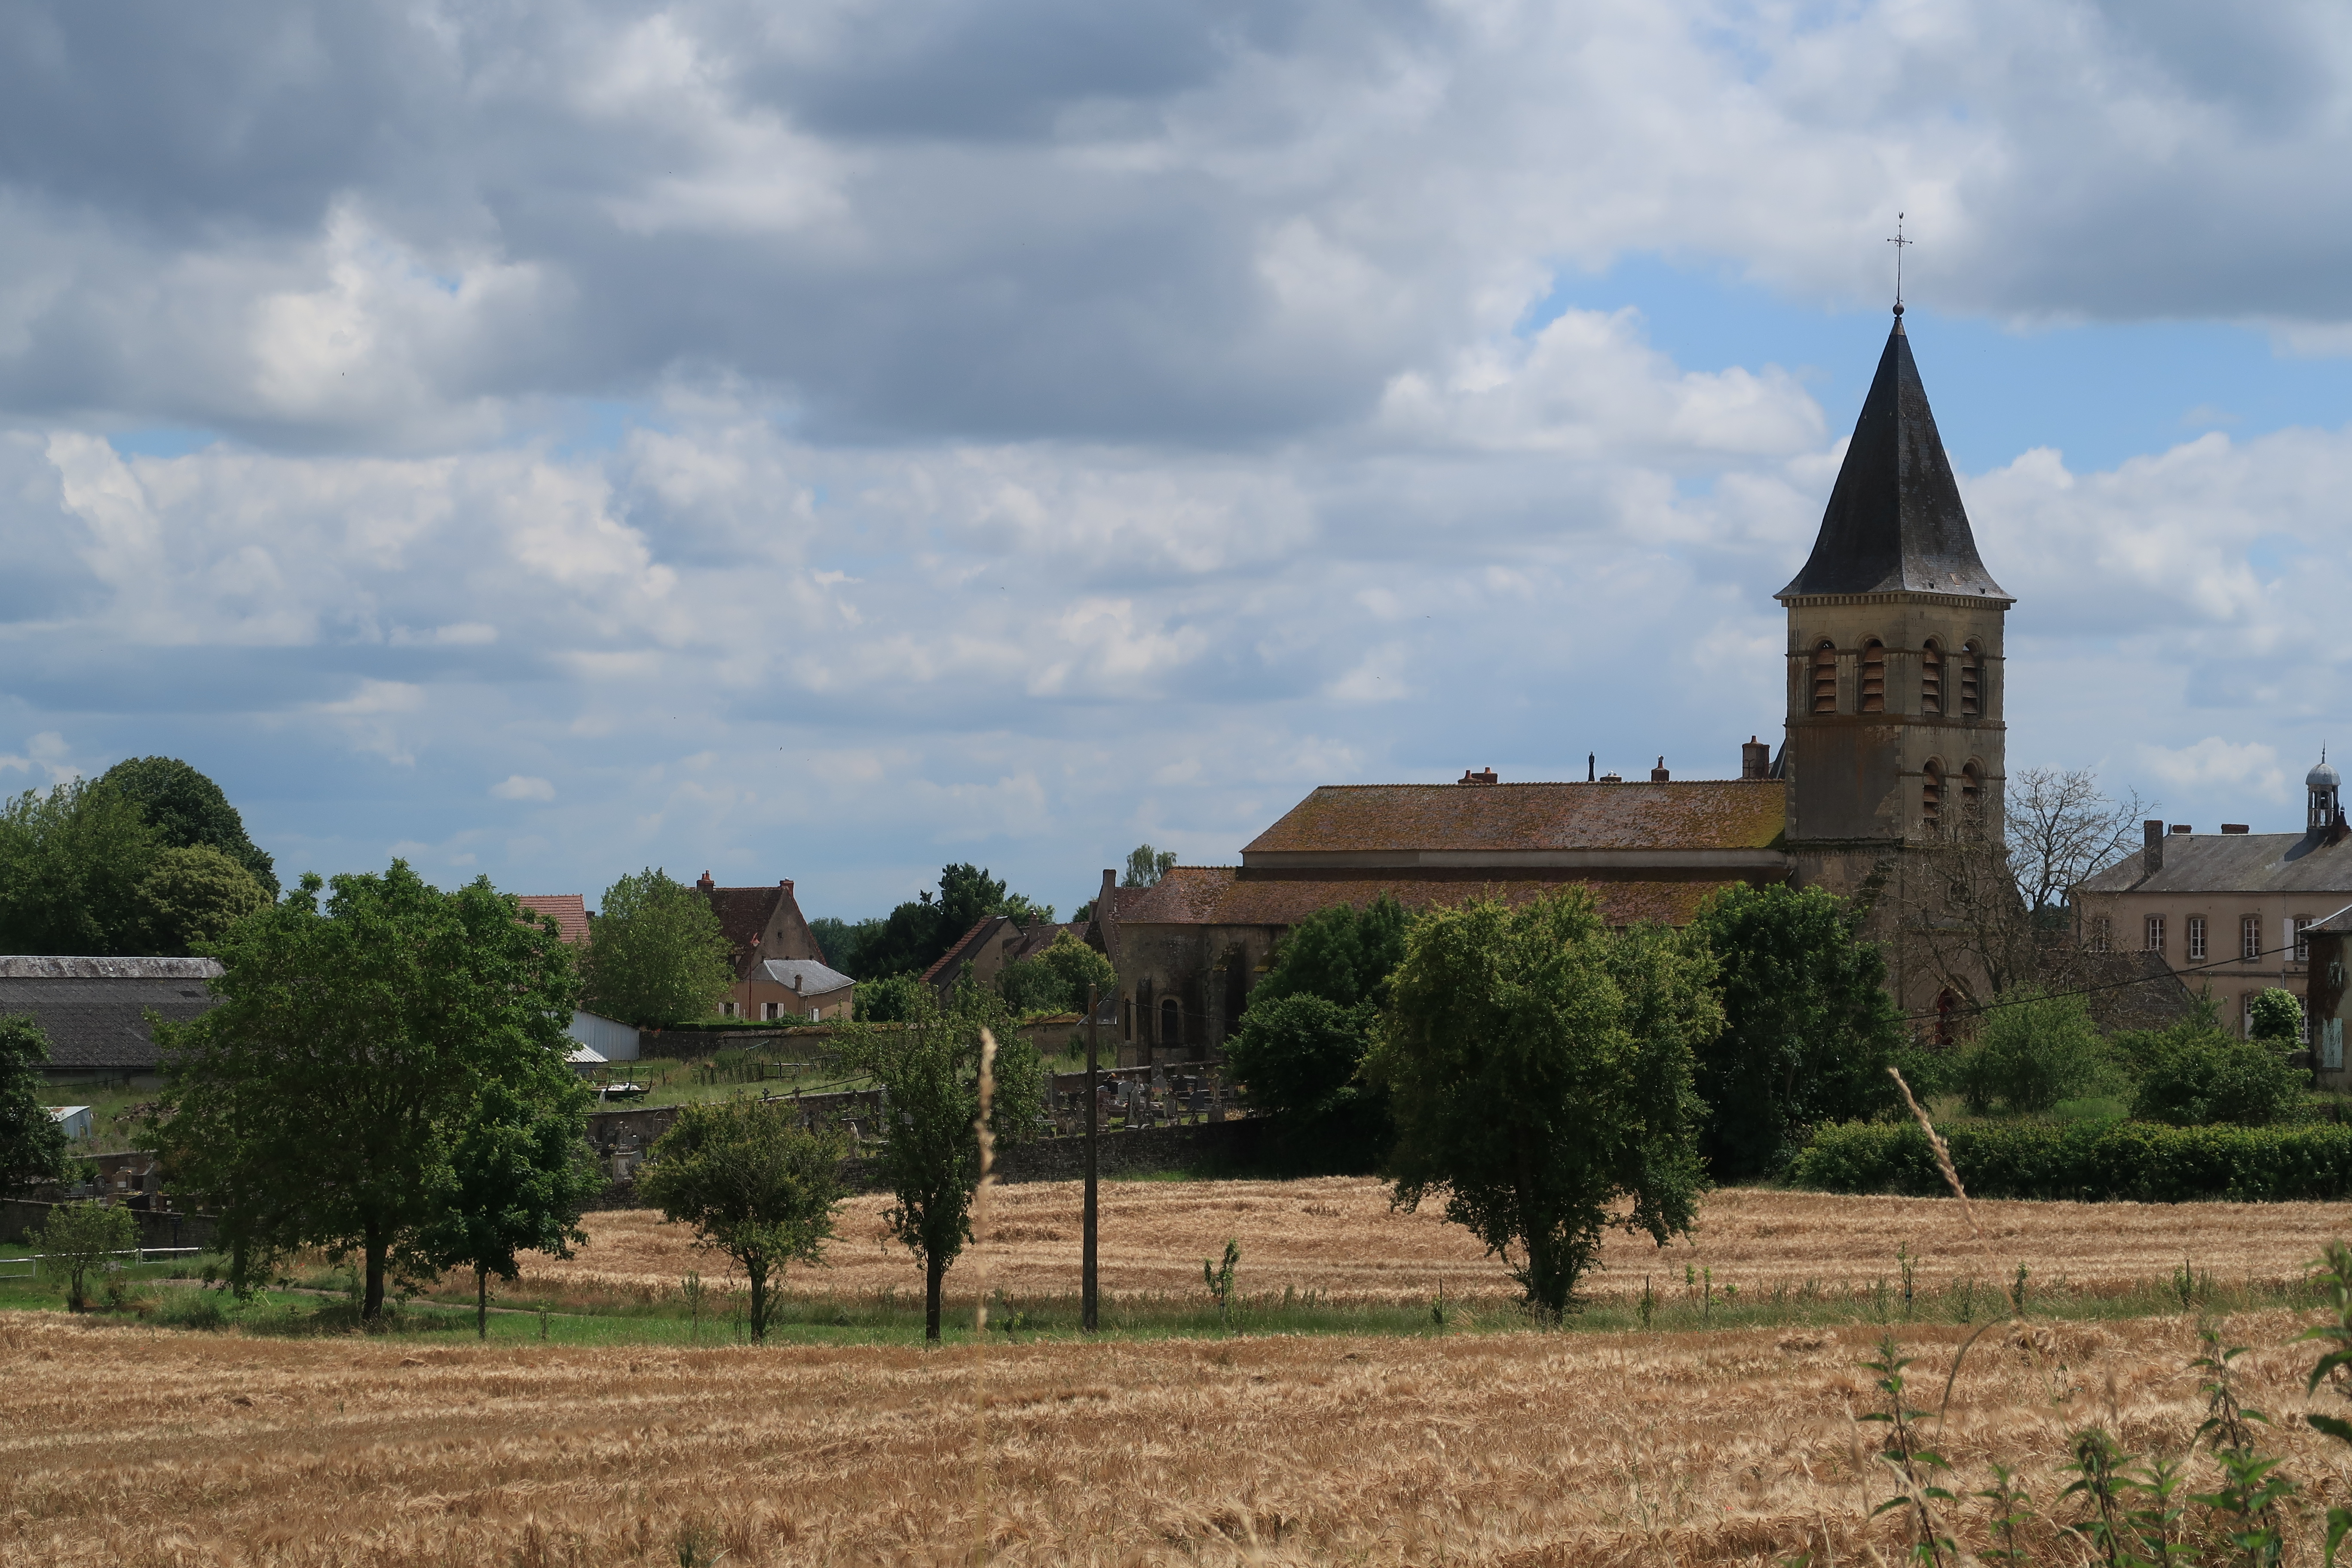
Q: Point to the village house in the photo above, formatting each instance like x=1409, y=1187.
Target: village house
x=760, y=924
x=1893, y=741
x=2229, y=910
x=95, y=1011
x=795, y=989
x=990, y=944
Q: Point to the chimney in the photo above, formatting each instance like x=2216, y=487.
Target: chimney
x=2151, y=854
x=1755, y=760
x=2182, y=828
x=1658, y=774
x=1591, y=760
x=704, y=882
x=2235, y=827
x=786, y=884
x=1487, y=775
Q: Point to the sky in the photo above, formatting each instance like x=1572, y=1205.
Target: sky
x=544, y=440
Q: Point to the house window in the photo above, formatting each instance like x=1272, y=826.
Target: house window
x=2246, y=1013
x=767, y=1009
x=1825, y=678
x=2250, y=937
x=2303, y=923
x=726, y=1009
x=1931, y=795
x=2302, y=1019
x=1873, y=677
x=2196, y=938
x=1171, y=1023
x=1931, y=680
x=1971, y=680
x=2154, y=941
x=2100, y=933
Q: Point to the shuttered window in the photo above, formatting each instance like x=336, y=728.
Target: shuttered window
x=1825, y=678
x=1873, y=677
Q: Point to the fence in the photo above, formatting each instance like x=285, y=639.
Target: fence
x=32, y=1261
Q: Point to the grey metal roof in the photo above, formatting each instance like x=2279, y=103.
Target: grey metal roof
x=805, y=976
x=1894, y=520
x=2239, y=863
x=94, y=1010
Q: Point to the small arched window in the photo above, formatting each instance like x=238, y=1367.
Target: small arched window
x=1171, y=1022
x=1931, y=680
x=1972, y=789
x=1873, y=677
x=1825, y=678
x=1971, y=681
x=1931, y=795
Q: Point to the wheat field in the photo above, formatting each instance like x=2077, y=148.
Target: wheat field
x=1338, y=1237
x=124, y=1444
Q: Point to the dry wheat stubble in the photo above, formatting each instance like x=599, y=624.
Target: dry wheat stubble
x=122, y=1446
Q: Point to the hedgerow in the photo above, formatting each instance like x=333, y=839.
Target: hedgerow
x=2135, y=1161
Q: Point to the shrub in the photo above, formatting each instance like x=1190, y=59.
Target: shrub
x=893, y=999
x=2032, y=1052
x=2275, y=1016
x=2194, y=1073
x=2140, y=1162
x=75, y=1240
x=192, y=1310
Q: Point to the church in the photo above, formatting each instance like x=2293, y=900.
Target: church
x=1892, y=737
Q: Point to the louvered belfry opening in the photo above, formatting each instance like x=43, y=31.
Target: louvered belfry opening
x=1931, y=795
x=1971, y=677
x=1931, y=680
x=1873, y=677
x=1971, y=787
x=1825, y=678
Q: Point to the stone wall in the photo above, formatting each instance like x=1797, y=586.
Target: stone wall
x=19, y=1216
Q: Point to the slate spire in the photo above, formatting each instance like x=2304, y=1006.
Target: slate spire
x=1894, y=522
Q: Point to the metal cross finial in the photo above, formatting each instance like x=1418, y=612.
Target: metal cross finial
x=1899, y=242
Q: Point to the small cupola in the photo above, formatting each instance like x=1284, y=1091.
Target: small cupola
x=2326, y=786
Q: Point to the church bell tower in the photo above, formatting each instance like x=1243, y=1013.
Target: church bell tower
x=1895, y=731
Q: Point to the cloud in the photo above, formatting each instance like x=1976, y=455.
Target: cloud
x=521, y=786
x=2214, y=760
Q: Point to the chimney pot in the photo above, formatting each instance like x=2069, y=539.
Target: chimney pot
x=2182, y=828
x=1755, y=760
x=705, y=882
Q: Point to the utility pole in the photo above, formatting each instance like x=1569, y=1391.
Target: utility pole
x=1087, y=1302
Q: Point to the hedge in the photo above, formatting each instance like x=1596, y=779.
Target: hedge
x=2142, y=1161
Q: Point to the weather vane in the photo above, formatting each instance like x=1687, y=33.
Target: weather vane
x=1899, y=242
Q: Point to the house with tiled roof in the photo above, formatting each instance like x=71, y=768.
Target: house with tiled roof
x=990, y=944
x=1893, y=741
x=97, y=1013
x=568, y=911
x=759, y=924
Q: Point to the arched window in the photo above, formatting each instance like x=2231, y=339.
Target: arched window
x=1171, y=1022
x=1931, y=795
x=1971, y=681
x=1873, y=677
x=1972, y=789
x=1931, y=680
x=1825, y=678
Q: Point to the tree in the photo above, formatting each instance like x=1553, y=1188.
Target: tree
x=656, y=954
x=928, y=1071
x=753, y=1183
x=186, y=809
x=2196, y=1072
x=2276, y=1015
x=2033, y=1050
x=840, y=941
x=2062, y=828
x=71, y=861
x=77, y=1238
x=1309, y=1027
x=968, y=895
x=1056, y=980
x=194, y=895
x=1146, y=866
x=892, y=999
x=918, y=931
x=1809, y=1029
x=517, y=1178
x=32, y=1145
x=1539, y=1071
x=318, y=1104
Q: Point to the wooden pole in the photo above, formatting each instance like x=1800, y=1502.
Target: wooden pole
x=1086, y=1298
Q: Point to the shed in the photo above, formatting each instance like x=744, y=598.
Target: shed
x=94, y=1010
x=75, y=1118
x=611, y=1040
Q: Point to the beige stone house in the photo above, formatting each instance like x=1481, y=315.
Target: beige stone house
x=2232, y=910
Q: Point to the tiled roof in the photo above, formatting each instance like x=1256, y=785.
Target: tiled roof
x=743, y=915
x=568, y=911
x=1698, y=815
x=1221, y=895
x=951, y=962
x=1036, y=938
x=2239, y=863
x=94, y=1011
x=805, y=976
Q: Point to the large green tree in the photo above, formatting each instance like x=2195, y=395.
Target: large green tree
x=193, y=895
x=1539, y=1067
x=928, y=1069
x=32, y=1145
x=186, y=809
x=1311, y=1023
x=753, y=1183
x=1056, y=980
x=914, y=935
x=320, y=1102
x=656, y=953
x=1809, y=1028
x=517, y=1175
x=72, y=858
